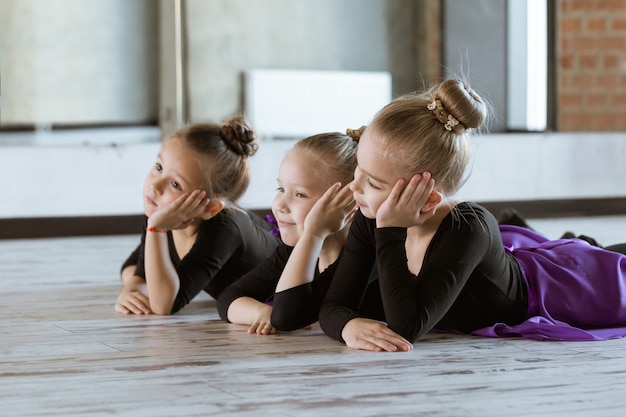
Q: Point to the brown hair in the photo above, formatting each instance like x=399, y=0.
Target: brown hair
x=428, y=131
x=335, y=154
x=223, y=151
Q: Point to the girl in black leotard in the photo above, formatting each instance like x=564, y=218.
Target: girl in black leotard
x=443, y=263
x=313, y=213
x=196, y=238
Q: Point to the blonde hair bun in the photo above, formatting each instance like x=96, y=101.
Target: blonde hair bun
x=462, y=102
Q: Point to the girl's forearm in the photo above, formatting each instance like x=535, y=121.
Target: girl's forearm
x=128, y=273
x=245, y=310
x=300, y=268
x=161, y=276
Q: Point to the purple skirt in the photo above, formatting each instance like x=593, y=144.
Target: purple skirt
x=576, y=291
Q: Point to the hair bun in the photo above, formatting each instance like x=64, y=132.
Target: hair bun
x=356, y=133
x=238, y=134
x=462, y=102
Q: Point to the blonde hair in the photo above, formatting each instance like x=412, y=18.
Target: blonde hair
x=223, y=151
x=334, y=153
x=428, y=131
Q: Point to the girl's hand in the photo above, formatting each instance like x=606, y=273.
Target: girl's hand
x=332, y=212
x=180, y=212
x=261, y=323
x=372, y=335
x=132, y=301
x=406, y=205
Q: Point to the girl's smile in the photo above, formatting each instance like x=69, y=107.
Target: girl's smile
x=299, y=187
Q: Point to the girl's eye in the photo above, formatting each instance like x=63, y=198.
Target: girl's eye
x=280, y=190
x=372, y=185
x=176, y=185
x=300, y=195
x=158, y=167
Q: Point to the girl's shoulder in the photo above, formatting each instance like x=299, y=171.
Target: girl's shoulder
x=470, y=216
x=241, y=222
x=237, y=216
x=468, y=228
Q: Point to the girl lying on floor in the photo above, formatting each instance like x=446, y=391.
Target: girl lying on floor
x=441, y=263
x=313, y=208
x=196, y=238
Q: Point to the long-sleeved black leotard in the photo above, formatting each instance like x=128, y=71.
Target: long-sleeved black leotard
x=296, y=307
x=293, y=308
x=467, y=280
x=228, y=245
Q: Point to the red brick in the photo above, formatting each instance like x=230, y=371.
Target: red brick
x=616, y=5
x=584, y=42
x=596, y=100
x=584, y=81
x=567, y=61
x=607, y=81
x=581, y=5
x=597, y=24
x=619, y=101
x=603, y=122
x=570, y=100
x=612, y=43
x=619, y=23
x=574, y=122
x=612, y=61
x=588, y=61
x=564, y=80
x=570, y=25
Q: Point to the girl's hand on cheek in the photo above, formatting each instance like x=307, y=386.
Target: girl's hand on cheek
x=405, y=205
x=332, y=212
x=180, y=212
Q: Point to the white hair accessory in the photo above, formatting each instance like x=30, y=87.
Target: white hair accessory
x=451, y=122
x=436, y=107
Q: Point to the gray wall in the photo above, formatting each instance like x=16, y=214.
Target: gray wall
x=78, y=62
x=226, y=37
x=475, y=46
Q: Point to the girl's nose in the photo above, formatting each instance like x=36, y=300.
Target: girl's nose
x=157, y=186
x=279, y=203
x=355, y=185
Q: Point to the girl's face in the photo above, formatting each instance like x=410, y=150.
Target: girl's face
x=175, y=172
x=374, y=176
x=299, y=187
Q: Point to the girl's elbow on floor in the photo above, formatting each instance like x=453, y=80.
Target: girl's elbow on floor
x=162, y=310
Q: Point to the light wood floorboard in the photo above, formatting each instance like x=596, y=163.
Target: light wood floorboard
x=65, y=352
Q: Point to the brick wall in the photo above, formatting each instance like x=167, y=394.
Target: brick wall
x=591, y=65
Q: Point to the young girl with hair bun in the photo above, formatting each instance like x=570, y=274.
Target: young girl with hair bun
x=313, y=213
x=196, y=238
x=442, y=263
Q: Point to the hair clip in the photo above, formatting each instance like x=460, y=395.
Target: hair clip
x=451, y=122
x=436, y=107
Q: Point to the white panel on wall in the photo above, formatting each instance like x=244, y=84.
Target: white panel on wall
x=299, y=103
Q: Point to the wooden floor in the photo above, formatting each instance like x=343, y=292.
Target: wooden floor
x=65, y=352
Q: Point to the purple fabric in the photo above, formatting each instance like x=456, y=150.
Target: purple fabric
x=576, y=291
x=272, y=220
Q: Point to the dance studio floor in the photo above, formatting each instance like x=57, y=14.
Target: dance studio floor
x=65, y=352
